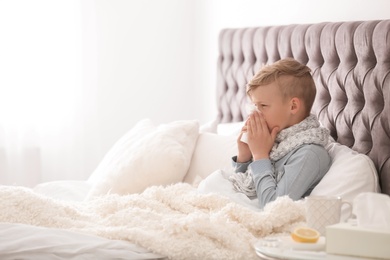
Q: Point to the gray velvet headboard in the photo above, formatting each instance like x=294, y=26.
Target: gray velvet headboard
x=350, y=63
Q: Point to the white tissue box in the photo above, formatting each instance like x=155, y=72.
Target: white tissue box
x=349, y=239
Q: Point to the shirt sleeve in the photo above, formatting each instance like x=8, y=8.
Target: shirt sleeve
x=301, y=171
x=240, y=167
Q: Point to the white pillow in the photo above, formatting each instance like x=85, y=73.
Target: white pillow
x=116, y=155
x=212, y=152
x=146, y=156
x=350, y=174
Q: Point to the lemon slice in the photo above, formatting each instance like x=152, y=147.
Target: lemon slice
x=305, y=235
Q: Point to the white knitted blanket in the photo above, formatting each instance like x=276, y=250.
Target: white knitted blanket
x=176, y=221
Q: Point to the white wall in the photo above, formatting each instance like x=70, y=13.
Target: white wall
x=157, y=58
x=145, y=53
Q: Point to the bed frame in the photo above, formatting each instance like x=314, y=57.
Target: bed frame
x=350, y=63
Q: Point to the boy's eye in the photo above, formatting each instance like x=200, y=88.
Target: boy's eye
x=259, y=107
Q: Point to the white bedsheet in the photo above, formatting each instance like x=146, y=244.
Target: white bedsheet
x=218, y=182
x=66, y=190
x=19, y=241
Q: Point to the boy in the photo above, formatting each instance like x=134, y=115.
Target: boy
x=284, y=153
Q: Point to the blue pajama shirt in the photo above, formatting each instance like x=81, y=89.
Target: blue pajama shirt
x=296, y=174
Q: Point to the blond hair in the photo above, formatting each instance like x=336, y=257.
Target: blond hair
x=293, y=78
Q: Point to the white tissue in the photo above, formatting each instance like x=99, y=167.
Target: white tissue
x=244, y=138
x=372, y=210
x=250, y=108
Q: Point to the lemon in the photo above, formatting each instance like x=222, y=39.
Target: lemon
x=305, y=235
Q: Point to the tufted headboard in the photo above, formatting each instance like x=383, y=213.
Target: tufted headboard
x=350, y=63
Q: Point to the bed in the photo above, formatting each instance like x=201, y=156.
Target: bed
x=132, y=207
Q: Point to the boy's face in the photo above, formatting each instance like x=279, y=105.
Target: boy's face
x=269, y=101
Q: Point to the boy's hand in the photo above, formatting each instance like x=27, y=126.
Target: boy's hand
x=260, y=139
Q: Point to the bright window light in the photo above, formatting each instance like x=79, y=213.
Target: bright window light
x=40, y=62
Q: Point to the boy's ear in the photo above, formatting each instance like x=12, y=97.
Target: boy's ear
x=295, y=105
